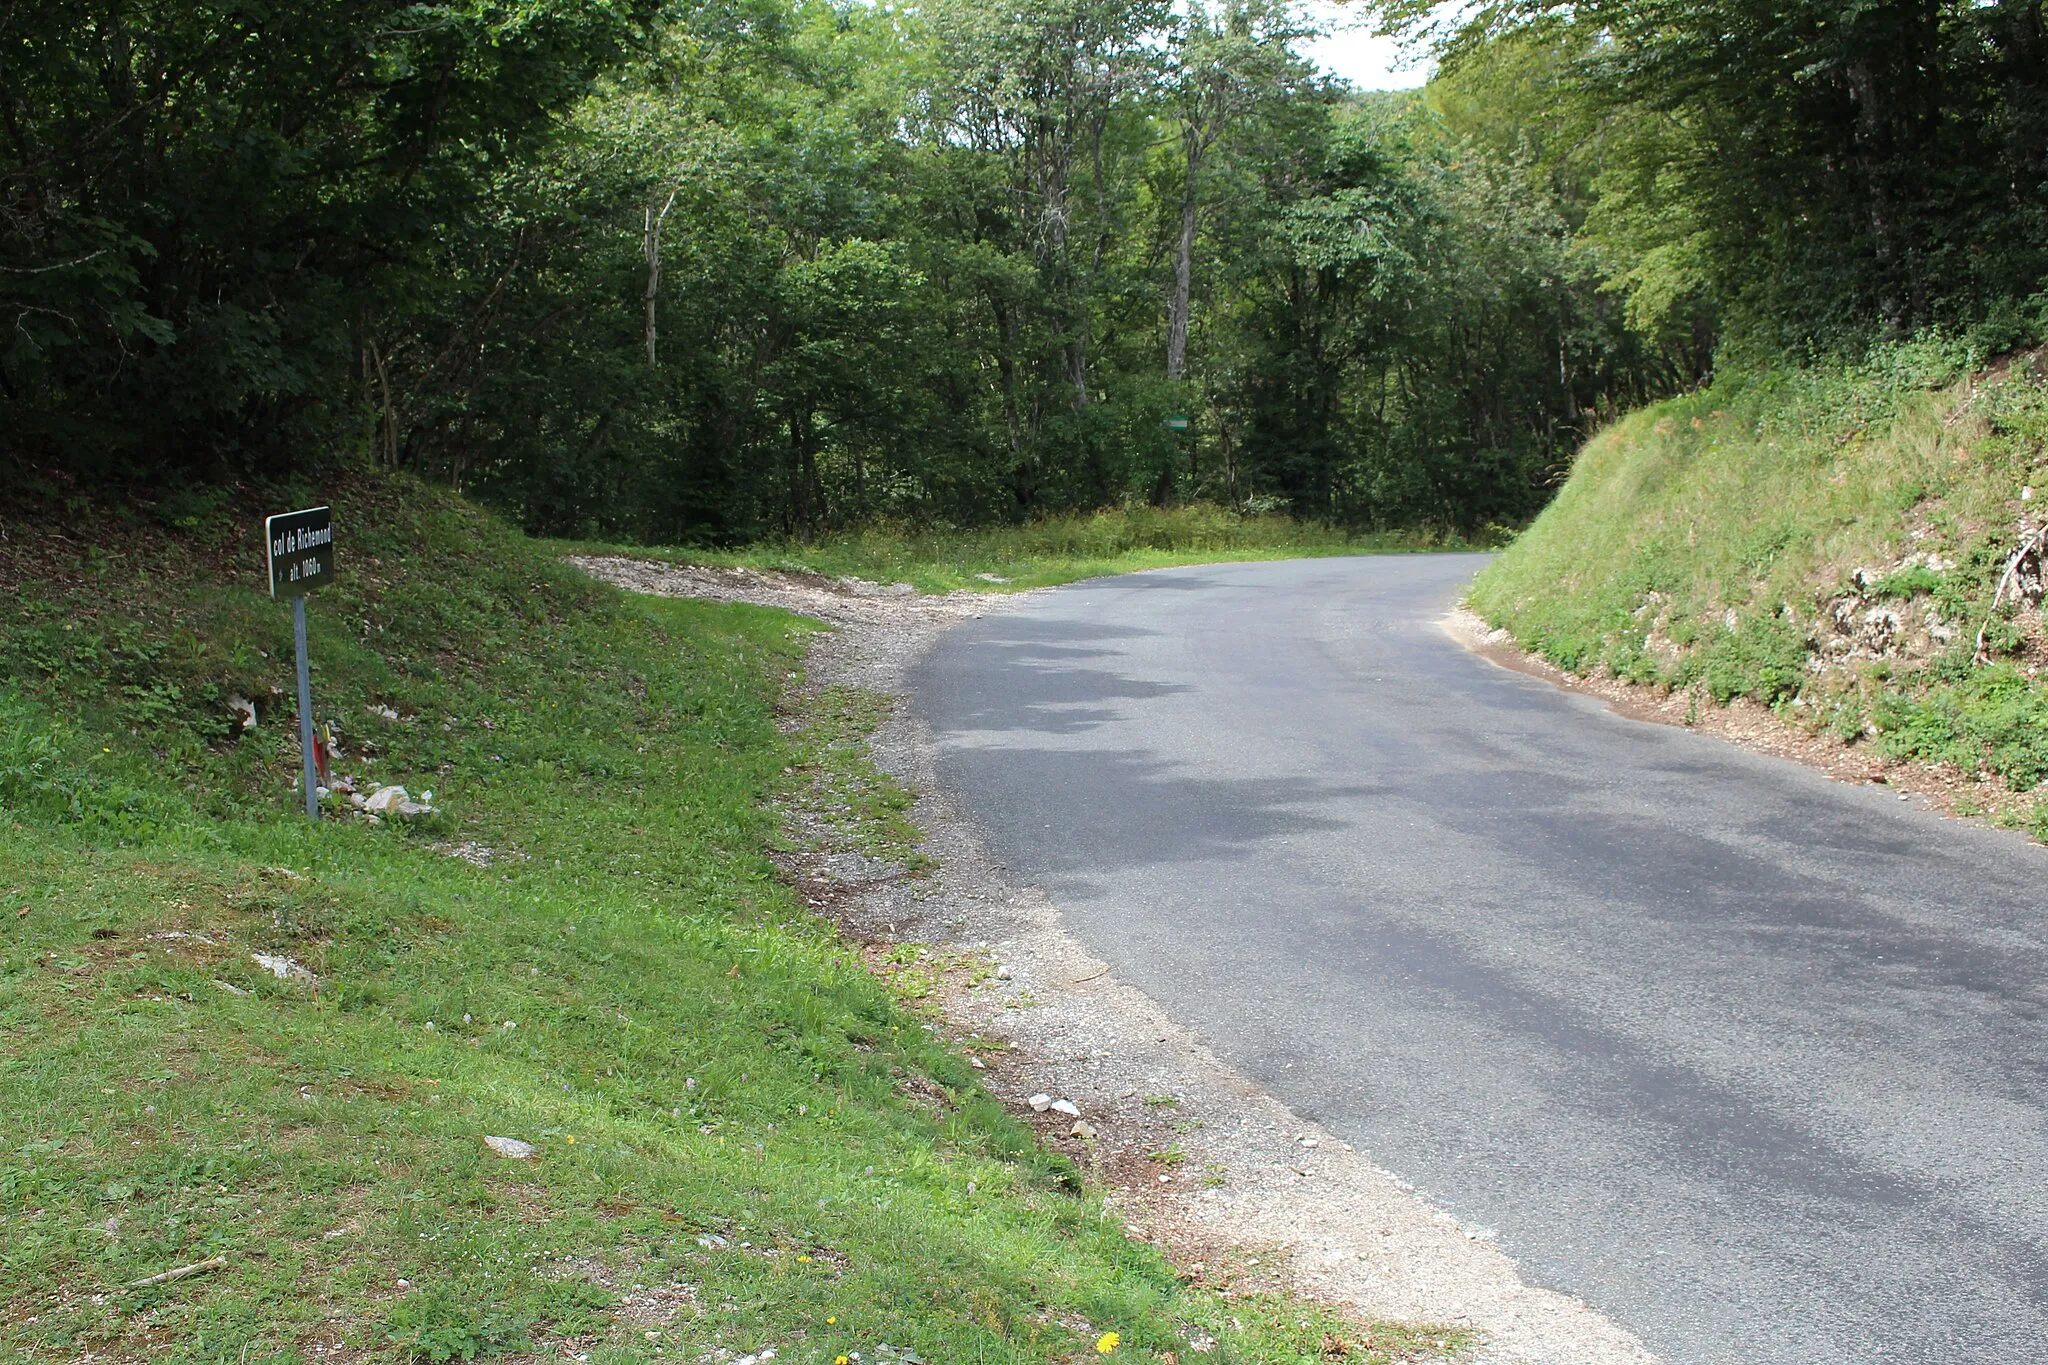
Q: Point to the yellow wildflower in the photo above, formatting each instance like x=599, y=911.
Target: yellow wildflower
x=1106, y=1343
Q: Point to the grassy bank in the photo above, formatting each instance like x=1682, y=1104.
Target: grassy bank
x=742, y=1140
x=1826, y=541
x=1058, y=549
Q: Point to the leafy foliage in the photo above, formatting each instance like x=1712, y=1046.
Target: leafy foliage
x=707, y=272
x=207, y=210
x=1819, y=174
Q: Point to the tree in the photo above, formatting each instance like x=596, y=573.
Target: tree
x=731, y=268
x=1819, y=173
x=206, y=205
x=1225, y=66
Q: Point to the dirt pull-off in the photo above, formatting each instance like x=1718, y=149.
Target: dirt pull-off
x=840, y=601
x=1236, y=1189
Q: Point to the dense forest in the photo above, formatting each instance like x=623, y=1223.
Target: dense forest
x=707, y=271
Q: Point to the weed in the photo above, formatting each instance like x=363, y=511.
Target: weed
x=1908, y=581
x=439, y=1326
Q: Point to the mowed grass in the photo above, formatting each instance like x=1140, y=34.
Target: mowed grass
x=1702, y=543
x=1056, y=550
x=744, y=1141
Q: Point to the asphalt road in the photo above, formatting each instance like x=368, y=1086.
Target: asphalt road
x=1752, y=1061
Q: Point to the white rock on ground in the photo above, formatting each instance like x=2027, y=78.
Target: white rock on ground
x=511, y=1148
x=283, y=968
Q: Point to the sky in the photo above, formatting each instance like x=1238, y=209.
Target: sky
x=1350, y=50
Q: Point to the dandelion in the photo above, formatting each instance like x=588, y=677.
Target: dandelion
x=1106, y=1343
x=803, y=1260
x=830, y=1321
x=841, y=1360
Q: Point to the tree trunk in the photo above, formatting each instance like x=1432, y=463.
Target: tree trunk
x=1229, y=462
x=1023, y=477
x=1084, y=323
x=802, y=471
x=814, y=488
x=388, y=419
x=650, y=248
x=1183, y=276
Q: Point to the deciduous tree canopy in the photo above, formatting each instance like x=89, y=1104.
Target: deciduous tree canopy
x=1825, y=170
x=723, y=268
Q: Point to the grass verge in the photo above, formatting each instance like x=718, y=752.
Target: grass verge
x=1054, y=550
x=1827, y=542
x=742, y=1140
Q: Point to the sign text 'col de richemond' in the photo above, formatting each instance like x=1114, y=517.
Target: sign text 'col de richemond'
x=301, y=551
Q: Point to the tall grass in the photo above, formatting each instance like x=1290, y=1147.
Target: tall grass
x=1062, y=549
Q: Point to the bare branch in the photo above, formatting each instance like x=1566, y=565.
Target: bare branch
x=2033, y=546
x=46, y=269
x=182, y=1272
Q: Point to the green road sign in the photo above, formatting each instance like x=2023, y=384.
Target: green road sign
x=1176, y=423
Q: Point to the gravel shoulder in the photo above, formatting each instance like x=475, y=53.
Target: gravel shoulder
x=1235, y=1188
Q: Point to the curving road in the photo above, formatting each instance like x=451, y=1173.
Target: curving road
x=1755, y=1062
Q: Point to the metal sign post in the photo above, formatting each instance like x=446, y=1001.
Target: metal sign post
x=301, y=547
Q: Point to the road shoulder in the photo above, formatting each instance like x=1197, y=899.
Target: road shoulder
x=1742, y=722
x=1240, y=1192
